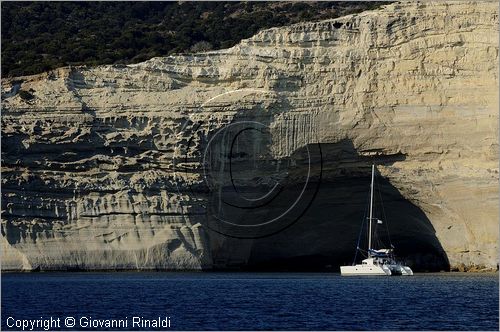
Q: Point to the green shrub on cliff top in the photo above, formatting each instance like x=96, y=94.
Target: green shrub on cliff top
x=39, y=36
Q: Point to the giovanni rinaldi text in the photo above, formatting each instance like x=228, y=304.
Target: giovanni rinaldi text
x=84, y=322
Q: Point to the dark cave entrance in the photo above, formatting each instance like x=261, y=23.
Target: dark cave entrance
x=325, y=236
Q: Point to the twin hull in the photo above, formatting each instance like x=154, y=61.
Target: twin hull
x=376, y=270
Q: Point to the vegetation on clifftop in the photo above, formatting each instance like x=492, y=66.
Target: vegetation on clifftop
x=39, y=36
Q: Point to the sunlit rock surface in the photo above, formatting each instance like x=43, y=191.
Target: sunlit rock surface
x=258, y=156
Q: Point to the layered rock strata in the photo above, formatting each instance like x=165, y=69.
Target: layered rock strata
x=258, y=156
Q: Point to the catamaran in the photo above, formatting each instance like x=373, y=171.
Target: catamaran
x=378, y=261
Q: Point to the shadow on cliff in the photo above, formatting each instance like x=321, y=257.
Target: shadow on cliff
x=322, y=234
x=327, y=234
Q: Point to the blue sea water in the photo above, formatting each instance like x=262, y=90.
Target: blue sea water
x=263, y=301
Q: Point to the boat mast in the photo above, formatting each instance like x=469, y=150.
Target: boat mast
x=371, y=213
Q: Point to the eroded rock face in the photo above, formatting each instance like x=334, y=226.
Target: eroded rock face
x=259, y=155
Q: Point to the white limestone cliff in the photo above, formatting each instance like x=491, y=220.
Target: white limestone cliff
x=103, y=168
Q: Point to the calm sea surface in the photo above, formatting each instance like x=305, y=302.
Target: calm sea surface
x=265, y=301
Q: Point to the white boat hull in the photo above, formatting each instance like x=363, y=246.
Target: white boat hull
x=373, y=267
x=357, y=270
